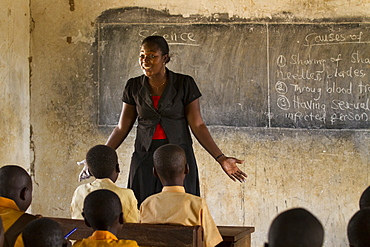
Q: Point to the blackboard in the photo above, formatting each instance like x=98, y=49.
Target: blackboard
x=251, y=74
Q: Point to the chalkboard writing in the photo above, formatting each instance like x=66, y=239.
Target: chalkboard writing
x=250, y=74
x=319, y=76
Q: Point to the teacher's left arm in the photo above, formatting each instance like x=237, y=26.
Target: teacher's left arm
x=200, y=131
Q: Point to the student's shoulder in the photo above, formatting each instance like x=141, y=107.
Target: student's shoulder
x=199, y=201
x=81, y=189
x=123, y=191
x=128, y=243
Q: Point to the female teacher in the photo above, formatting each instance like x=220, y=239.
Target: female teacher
x=165, y=104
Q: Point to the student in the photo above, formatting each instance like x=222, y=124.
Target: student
x=358, y=230
x=102, y=162
x=173, y=205
x=365, y=198
x=1, y=233
x=15, y=198
x=295, y=228
x=44, y=232
x=103, y=212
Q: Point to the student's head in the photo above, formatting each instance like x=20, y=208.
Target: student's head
x=358, y=230
x=16, y=184
x=43, y=232
x=102, y=210
x=365, y=198
x=170, y=163
x=295, y=227
x=102, y=162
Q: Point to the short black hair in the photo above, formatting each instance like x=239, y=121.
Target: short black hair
x=43, y=232
x=101, y=209
x=12, y=179
x=365, y=198
x=102, y=161
x=358, y=229
x=169, y=160
x=296, y=227
x=160, y=42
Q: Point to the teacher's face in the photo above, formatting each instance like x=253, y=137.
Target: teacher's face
x=151, y=60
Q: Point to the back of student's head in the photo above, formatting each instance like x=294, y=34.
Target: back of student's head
x=358, y=230
x=296, y=228
x=102, y=161
x=43, y=232
x=169, y=160
x=101, y=209
x=16, y=184
x=365, y=198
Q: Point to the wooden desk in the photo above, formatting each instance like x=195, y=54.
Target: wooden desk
x=143, y=234
x=235, y=236
x=166, y=235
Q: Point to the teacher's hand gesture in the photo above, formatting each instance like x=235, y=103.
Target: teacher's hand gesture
x=229, y=166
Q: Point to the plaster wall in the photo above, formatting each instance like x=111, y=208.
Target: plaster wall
x=14, y=82
x=324, y=171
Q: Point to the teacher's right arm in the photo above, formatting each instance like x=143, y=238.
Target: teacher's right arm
x=124, y=126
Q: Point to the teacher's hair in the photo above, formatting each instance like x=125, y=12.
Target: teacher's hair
x=160, y=42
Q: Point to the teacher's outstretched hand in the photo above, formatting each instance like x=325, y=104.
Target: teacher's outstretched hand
x=229, y=165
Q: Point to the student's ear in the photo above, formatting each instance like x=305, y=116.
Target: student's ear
x=117, y=168
x=187, y=169
x=121, y=221
x=23, y=193
x=155, y=173
x=86, y=222
x=88, y=170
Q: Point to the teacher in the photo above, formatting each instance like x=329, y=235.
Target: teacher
x=165, y=104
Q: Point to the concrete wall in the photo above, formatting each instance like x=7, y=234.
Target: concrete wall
x=14, y=83
x=324, y=171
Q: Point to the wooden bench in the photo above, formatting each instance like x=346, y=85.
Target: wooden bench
x=164, y=235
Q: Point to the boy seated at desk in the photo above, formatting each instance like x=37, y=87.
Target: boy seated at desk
x=173, y=205
x=15, y=198
x=295, y=227
x=103, y=212
x=102, y=162
x=44, y=232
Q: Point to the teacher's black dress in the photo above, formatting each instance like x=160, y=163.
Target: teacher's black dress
x=179, y=92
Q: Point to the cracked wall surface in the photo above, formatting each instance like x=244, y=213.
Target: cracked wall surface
x=324, y=171
x=14, y=82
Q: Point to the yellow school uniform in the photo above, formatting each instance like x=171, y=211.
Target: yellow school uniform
x=102, y=239
x=127, y=197
x=10, y=213
x=174, y=206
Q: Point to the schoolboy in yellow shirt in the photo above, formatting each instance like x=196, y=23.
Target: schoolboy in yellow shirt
x=173, y=205
x=15, y=198
x=102, y=162
x=44, y=232
x=103, y=212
